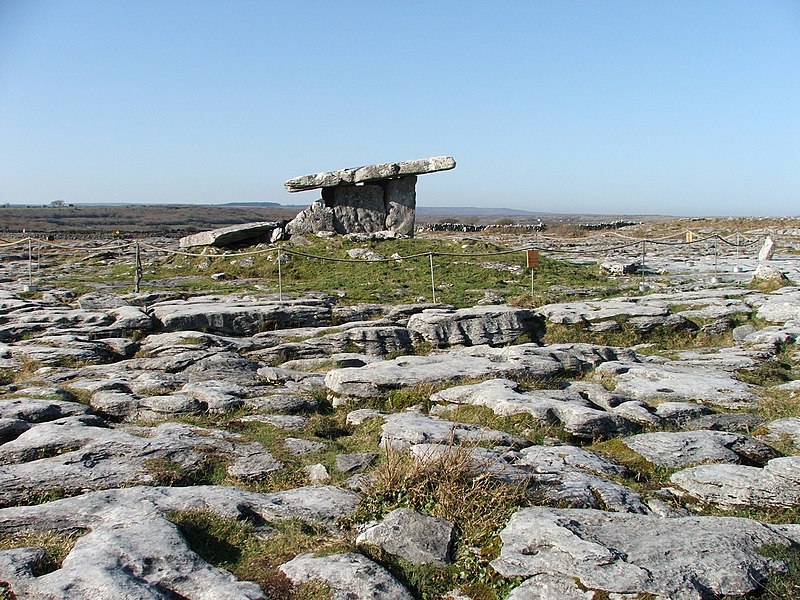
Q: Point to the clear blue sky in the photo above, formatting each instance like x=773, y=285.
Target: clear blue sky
x=619, y=107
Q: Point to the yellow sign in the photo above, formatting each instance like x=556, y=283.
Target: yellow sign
x=533, y=259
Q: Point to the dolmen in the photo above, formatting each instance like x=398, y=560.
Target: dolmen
x=367, y=199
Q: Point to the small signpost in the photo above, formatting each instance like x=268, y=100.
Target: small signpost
x=534, y=260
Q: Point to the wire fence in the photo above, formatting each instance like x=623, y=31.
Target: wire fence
x=551, y=245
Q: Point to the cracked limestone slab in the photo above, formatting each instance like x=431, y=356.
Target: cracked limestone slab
x=681, y=558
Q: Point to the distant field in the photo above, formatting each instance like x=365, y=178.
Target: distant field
x=133, y=219
x=173, y=219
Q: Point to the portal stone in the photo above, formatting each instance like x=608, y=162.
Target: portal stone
x=359, y=209
x=400, y=196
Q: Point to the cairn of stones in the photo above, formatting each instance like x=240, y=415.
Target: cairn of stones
x=368, y=199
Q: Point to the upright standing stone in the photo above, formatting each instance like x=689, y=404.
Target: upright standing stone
x=400, y=197
x=359, y=209
x=766, y=250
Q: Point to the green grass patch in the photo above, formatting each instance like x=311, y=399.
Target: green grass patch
x=643, y=475
x=210, y=470
x=56, y=546
x=447, y=487
x=778, y=404
x=254, y=554
x=522, y=424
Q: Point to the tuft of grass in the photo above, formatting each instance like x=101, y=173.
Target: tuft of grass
x=778, y=404
x=209, y=471
x=56, y=546
x=522, y=424
x=784, y=585
x=447, y=487
x=253, y=553
x=643, y=475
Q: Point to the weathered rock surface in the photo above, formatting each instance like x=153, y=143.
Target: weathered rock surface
x=132, y=550
x=657, y=382
x=408, y=428
x=368, y=173
x=776, y=485
x=350, y=576
x=492, y=325
x=417, y=538
x=681, y=558
x=683, y=448
x=227, y=236
x=579, y=416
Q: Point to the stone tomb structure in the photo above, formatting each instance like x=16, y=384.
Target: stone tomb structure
x=365, y=199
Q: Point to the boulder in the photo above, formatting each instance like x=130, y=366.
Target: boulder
x=349, y=576
x=683, y=448
x=317, y=217
x=492, y=325
x=417, y=538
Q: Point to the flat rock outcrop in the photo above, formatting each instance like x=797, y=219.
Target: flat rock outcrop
x=686, y=558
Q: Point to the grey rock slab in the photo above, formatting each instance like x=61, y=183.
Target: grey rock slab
x=34, y=410
x=317, y=504
x=578, y=416
x=682, y=558
x=679, y=414
x=378, y=379
x=683, y=448
x=133, y=551
x=242, y=317
x=788, y=427
x=492, y=325
x=350, y=576
x=654, y=383
x=404, y=429
x=571, y=476
x=144, y=558
x=549, y=587
x=781, y=306
x=353, y=175
x=774, y=486
x=232, y=234
x=115, y=405
x=571, y=313
x=76, y=454
x=301, y=447
x=317, y=217
x=400, y=198
x=253, y=462
x=283, y=402
x=733, y=422
x=417, y=538
x=288, y=422
x=359, y=209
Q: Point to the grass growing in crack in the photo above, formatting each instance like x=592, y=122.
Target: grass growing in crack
x=643, y=474
x=663, y=338
x=55, y=544
x=253, y=555
x=208, y=471
x=522, y=424
x=778, y=404
x=446, y=486
x=782, y=585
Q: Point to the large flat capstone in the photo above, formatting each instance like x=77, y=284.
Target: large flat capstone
x=354, y=175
